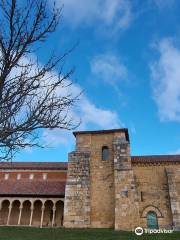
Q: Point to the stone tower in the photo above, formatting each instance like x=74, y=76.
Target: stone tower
x=100, y=189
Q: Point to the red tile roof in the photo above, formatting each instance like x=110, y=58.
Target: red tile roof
x=54, y=187
x=34, y=165
x=156, y=159
x=64, y=165
x=32, y=187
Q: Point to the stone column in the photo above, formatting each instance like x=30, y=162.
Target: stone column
x=20, y=213
x=126, y=197
x=42, y=215
x=54, y=214
x=77, y=193
x=31, y=216
x=9, y=213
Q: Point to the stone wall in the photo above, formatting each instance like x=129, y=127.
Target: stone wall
x=99, y=187
x=102, y=182
x=77, y=193
x=173, y=175
x=38, y=174
x=115, y=192
x=153, y=194
x=126, y=199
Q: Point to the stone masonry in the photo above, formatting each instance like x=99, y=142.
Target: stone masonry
x=119, y=191
x=77, y=193
x=102, y=186
x=174, y=192
x=126, y=198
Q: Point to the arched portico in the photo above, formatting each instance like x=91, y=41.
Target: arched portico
x=48, y=213
x=39, y=212
x=14, y=214
x=26, y=213
x=4, y=212
x=59, y=214
x=36, y=219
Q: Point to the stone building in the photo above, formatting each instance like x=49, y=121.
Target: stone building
x=32, y=194
x=106, y=187
x=102, y=186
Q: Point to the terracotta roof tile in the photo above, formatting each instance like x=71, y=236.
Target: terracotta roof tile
x=34, y=165
x=32, y=187
x=156, y=159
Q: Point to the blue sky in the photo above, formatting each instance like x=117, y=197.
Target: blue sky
x=128, y=66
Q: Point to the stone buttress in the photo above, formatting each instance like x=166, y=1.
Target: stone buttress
x=77, y=193
x=126, y=197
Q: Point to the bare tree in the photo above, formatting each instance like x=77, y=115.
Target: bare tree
x=32, y=96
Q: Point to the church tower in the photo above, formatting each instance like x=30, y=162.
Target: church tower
x=100, y=189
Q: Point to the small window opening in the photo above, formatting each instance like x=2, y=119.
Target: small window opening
x=6, y=176
x=31, y=176
x=44, y=176
x=18, y=176
x=105, y=153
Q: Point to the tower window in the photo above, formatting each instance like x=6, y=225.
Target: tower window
x=105, y=153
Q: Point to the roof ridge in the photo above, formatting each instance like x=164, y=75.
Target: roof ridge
x=157, y=155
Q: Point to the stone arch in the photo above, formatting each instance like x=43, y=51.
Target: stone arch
x=26, y=213
x=36, y=219
x=59, y=213
x=14, y=216
x=151, y=208
x=48, y=213
x=4, y=211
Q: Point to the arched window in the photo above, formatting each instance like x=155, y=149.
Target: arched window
x=105, y=153
x=152, y=221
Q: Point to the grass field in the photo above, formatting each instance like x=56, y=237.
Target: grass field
x=24, y=233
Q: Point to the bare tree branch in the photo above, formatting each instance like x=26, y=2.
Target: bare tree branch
x=32, y=96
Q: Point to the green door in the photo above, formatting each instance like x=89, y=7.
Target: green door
x=152, y=221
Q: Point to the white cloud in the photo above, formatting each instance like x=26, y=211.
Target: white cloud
x=56, y=137
x=161, y=4
x=110, y=13
x=92, y=117
x=102, y=118
x=166, y=80
x=108, y=67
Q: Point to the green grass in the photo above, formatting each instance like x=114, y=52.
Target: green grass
x=25, y=233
